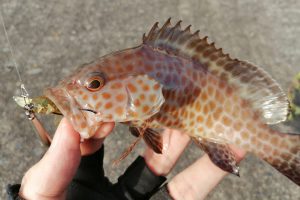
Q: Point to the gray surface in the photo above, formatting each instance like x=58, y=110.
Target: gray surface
x=50, y=38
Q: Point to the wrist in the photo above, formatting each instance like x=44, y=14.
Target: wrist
x=25, y=194
x=158, y=163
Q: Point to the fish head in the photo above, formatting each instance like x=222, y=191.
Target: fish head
x=93, y=95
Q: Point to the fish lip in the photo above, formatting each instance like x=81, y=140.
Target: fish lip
x=62, y=99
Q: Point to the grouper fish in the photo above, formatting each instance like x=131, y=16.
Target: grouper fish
x=179, y=80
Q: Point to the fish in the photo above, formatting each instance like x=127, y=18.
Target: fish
x=180, y=80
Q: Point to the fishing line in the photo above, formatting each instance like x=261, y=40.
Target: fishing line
x=24, y=92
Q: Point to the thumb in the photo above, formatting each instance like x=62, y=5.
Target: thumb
x=49, y=178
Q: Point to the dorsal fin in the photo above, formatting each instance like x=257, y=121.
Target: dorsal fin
x=254, y=84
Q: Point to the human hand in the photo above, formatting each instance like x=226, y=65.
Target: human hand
x=200, y=178
x=50, y=177
x=196, y=181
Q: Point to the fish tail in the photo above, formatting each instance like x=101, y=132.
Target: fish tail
x=282, y=151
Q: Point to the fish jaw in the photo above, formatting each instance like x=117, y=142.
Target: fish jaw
x=70, y=108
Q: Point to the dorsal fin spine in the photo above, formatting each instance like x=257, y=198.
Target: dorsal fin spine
x=188, y=29
x=163, y=29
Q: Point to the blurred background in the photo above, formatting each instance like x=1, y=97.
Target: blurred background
x=51, y=38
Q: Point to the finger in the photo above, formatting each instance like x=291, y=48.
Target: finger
x=52, y=174
x=93, y=144
x=174, y=144
x=104, y=130
x=196, y=181
x=90, y=146
x=239, y=153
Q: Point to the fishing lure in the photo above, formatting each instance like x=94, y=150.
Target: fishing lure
x=179, y=80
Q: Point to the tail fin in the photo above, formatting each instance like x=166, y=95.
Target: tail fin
x=283, y=154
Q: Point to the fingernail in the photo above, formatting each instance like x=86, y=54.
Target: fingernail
x=106, y=127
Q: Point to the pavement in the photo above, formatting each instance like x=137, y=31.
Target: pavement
x=51, y=38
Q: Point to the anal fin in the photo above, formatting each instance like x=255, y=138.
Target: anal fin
x=220, y=154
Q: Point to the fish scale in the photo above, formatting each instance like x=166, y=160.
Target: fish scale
x=176, y=79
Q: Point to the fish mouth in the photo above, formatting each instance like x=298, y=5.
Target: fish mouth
x=61, y=98
x=84, y=120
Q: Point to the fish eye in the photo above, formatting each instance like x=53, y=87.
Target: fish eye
x=95, y=83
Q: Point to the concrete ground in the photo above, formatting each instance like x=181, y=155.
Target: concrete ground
x=51, y=38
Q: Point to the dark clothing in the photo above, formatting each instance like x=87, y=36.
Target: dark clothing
x=138, y=182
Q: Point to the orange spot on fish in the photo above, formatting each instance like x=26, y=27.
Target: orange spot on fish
x=203, y=83
x=200, y=129
x=212, y=105
x=133, y=114
x=149, y=67
x=146, y=108
x=140, y=81
x=229, y=91
x=137, y=102
x=252, y=129
x=120, y=111
x=166, y=108
x=198, y=106
x=116, y=85
x=217, y=113
x=142, y=97
x=237, y=125
x=222, y=84
x=286, y=156
x=128, y=56
x=108, y=105
x=192, y=114
x=183, y=80
x=95, y=96
x=205, y=109
x=120, y=97
x=156, y=86
x=77, y=116
x=204, y=96
x=210, y=89
x=131, y=88
x=196, y=91
x=274, y=141
x=192, y=123
x=106, y=95
x=219, y=129
x=244, y=135
x=146, y=88
x=109, y=116
x=199, y=119
x=83, y=125
x=129, y=67
x=98, y=105
x=267, y=148
x=152, y=97
x=85, y=97
x=195, y=78
x=226, y=120
x=209, y=121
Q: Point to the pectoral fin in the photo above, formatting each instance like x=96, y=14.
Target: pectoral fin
x=151, y=137
x=154, y=140
x=220, y=154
